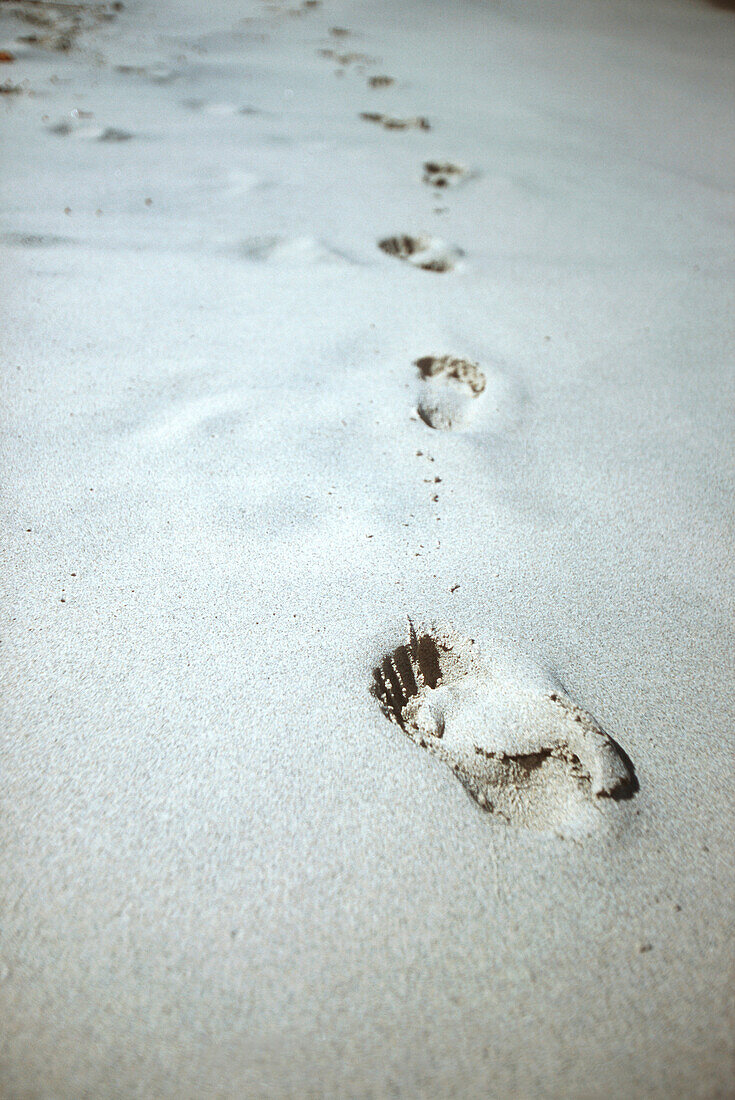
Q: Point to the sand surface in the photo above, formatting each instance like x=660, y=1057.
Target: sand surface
x=227, y=483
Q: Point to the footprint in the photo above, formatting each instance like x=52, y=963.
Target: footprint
x=158, y=73
x=442, y=173
x=451, y=388
x=290, y=251
x=89, y=131
x=354, y=59
x=347, y=58
x=306, y=6
x=418, y=122
x=111, y=133
x=518, y=743
x=220, y=109
x=428, y=253
x=58, y=26
x=33, y=240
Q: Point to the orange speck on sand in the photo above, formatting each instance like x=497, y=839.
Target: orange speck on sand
x=5, y=55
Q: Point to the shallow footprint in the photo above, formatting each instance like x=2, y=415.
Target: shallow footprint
x=290, y=251
x=428, y=253
x=451, y=388
x=221, y=109
x=416, y=122
x=89, y=132
x=517, y=742
x=345, y=59
x=159, y=73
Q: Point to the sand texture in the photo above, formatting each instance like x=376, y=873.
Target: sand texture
x=368, y=450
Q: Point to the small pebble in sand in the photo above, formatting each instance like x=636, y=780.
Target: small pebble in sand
x=6, y=56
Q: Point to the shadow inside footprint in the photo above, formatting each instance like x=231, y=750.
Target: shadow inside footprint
x=517, y=742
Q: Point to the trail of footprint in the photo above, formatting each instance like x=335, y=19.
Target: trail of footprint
x=428, y=253
x=417, y=122
x=450, y=391
x=510, y=733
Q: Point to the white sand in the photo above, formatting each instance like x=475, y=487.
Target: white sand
x=225, y=873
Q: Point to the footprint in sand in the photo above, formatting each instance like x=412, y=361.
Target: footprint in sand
x=290, y=251
x=307, y=5
x=221, y=109
x=417, y=122
x=159, y=73
x=428, y=253
x=450, y=391
x=443, y=173
x=33, y=240
x=517, y=742
x=89, y=132
x=346, y=59
x=58, y=26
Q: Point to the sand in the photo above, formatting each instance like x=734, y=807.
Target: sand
x=239, y=453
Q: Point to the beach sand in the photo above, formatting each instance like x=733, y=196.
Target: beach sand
x=279, y=377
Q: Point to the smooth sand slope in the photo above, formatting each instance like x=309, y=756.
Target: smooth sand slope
x=367, y=659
